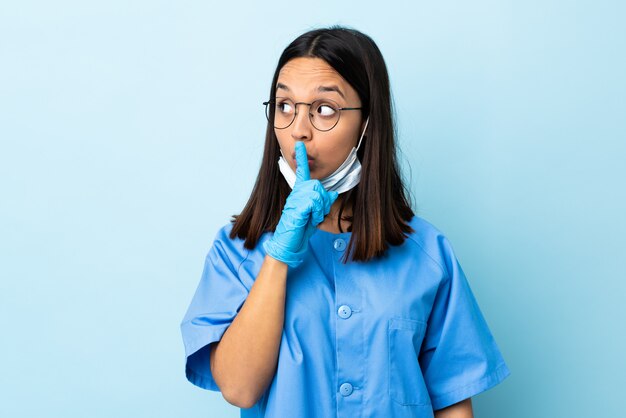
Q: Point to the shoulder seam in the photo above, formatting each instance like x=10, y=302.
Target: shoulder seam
x=242, y=261
x=225, y=229
x=443, y=270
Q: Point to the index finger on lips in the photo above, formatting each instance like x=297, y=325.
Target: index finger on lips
x=302, y=169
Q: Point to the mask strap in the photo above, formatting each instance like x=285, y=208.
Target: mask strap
x=364, y=129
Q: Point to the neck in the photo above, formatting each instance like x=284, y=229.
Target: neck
x=329, y=223
x=334, y=209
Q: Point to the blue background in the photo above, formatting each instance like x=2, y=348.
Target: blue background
x=131, y=131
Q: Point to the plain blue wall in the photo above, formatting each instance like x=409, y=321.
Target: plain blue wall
x=131, y=131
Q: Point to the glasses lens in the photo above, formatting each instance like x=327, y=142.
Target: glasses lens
x=283, y=111
x=324, y=114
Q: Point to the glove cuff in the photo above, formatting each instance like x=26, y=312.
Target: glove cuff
x=274, y=251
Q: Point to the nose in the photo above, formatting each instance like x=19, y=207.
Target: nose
x=301, y=126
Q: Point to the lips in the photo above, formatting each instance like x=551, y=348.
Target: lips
x=307, y=156
x=310, y=160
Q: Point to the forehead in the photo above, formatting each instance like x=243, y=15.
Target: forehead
x=307, y=73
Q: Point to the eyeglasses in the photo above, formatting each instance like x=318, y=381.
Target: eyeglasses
x=323, y=113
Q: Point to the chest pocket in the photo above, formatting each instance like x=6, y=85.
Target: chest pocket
x=406, y=383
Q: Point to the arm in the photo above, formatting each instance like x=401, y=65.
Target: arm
x=461, y=409
x=244, y=361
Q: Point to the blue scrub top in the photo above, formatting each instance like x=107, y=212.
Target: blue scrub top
x=396, y=337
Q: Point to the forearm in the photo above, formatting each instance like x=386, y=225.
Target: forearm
x=243, y=363
x=461, y=409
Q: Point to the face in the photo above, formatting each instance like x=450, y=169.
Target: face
x=326, y=149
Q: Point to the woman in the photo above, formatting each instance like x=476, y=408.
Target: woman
x=327, y=296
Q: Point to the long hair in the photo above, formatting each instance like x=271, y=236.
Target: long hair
x=380, y=209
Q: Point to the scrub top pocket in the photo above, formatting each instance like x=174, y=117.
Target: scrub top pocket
x=406, y=383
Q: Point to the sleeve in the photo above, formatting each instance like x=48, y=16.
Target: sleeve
x=459, y=357
x=217, y=300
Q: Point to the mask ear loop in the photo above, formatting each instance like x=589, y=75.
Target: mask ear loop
x=363, y=134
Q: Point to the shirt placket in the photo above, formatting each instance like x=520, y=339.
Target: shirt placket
x=349, y=343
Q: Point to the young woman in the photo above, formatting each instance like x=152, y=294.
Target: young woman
x=327, y=296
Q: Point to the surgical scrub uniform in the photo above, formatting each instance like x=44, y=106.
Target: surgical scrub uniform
x=399, y=336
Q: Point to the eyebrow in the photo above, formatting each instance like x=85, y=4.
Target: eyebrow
x=319, y=89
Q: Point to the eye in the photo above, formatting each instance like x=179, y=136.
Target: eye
x=326, y=109
x=284, y=106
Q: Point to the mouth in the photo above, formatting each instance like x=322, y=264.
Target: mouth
x=311, y=162
x=293, y=156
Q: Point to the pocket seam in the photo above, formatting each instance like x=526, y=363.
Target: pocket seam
x=406, y=324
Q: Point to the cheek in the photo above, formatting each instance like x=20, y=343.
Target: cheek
x=334, y=152
x=282, y=143
x=285, y=145
x=340, y=143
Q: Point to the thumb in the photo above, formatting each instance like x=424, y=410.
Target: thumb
x=333, y=196
x=330, y=199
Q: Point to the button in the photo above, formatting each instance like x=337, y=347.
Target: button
x=339, y=244
x=345, y=389
x=344, y=311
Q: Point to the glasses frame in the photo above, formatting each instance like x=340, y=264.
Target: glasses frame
x=295, y=113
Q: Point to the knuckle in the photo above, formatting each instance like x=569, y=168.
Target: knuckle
x=317, y=184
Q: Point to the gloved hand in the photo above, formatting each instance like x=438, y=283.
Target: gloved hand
x=306, y=206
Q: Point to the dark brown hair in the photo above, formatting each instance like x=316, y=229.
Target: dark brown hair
x=380, y=209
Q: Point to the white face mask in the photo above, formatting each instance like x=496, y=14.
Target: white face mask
x=344, y=178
